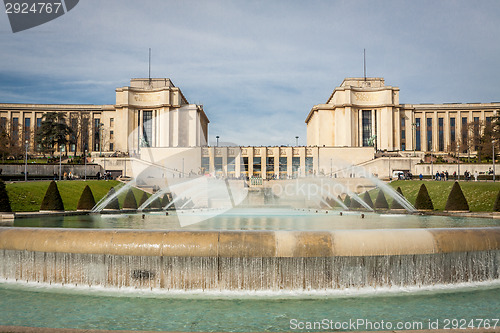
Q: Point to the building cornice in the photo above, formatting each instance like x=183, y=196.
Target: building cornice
x=451, y=107
x=55, y=107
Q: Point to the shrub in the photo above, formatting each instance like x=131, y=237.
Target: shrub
x=52, y=199
x=496, y=205
x=381, y=201
x=395, y=203
x=347, y=200
x=355, y=204
x=87, y=201
x=144, y=198
x=129, y=202
x=367, y=199
x=156, y=204
x=113, y=204
x=456, y=199
x=166, y=200
x=423, y=201
x=4, y=199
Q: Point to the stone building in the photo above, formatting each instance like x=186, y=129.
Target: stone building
x=365, y=112
x=153, y=120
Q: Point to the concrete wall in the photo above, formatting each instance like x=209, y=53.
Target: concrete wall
x=427, y=169
x=50, y=169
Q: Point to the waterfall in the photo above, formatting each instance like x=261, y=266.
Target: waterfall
x=249, y=273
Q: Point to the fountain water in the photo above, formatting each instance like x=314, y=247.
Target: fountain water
x=280, y=256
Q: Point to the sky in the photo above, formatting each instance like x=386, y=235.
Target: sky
x=258, y=67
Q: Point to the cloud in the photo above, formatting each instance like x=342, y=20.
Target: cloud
x=257, y=66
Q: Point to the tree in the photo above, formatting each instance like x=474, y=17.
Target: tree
x=496, y=205
x=52, y=200
x=156, y=204
x=395, y=203
x=166, y=200
x=144, y=198
x=113, y=204
x=355, y=204
x=423, y=201
x=347, y=200
x=456, y=199
x=367, y=199
x=129, y=202
x=53, y=131
x=381, y=201
x=87, y=201
x=4, y=199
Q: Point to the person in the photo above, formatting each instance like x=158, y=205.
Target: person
x=476, y=174
x=437, y=176
x=454, y=175
x=420, y=177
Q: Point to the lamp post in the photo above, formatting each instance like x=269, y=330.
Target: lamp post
x=493, y=147
x=85, y=159
x=26, y=161
x=217, y=139
x=297, y=141
x=60, y=160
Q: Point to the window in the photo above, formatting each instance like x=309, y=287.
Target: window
x=295, y=166
x=27, y=129
x=147, y=128
x=3, y=124
x=429, y=134
x=111, y=146
x=477, y=136
x=111, y=122
x=111, y=135
x=418, y=145
x=38, y=122
x=205, y=164
x=403, y=133
x=218, y=163
x=15, y=129
x=452, y=131
x=441, y=133
x=465, y=135
x=257, y=166
x=366, y=127
x=231, y=165
x=283, y=163
x=97, y=134
x=270, y=167
x=309, y=165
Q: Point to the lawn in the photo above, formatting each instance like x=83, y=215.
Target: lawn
x=480, y=195
x=27, y=197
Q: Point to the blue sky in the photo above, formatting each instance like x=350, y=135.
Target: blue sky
x=257, y=66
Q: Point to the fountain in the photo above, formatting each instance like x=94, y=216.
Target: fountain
x=229, y=241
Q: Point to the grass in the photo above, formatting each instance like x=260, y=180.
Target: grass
x=480, y=195
x=27, y=197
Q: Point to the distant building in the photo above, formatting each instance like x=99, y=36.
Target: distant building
x=366, y=112
x=153, y=120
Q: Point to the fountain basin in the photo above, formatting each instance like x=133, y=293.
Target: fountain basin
x=250, y=260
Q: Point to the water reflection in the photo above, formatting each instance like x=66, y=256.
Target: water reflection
x=258, y=219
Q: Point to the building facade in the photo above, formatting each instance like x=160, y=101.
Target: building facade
x=148, y=113
x=365, y=112
x=153, y=120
